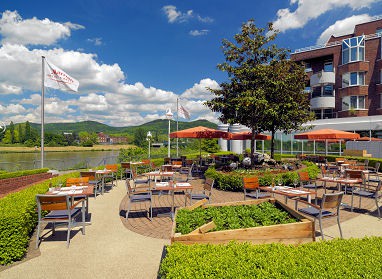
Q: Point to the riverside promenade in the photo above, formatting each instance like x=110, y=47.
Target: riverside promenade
x=114, y=248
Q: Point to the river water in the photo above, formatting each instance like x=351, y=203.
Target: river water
x=57, y=160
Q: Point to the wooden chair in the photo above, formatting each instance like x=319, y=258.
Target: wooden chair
x=126, y=171
x=354, y=174
x=307, y=182
x=61, y=211
x=92, y=180
x=137, y=196
x=368, y=193
x=71, y=181
x=113, y=175
x=251, y=188
x=166, y=168
x=142, y=180
x=205, y=194
x=329, y=208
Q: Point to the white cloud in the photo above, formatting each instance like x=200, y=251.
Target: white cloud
x=12, y=109
x=174, y=15
x=342, y=27
x=15, y=30
x=311, y=9
x=95, y=41
x=9, y=89
x=199, y=32
x=199, y=91
x=104, y=95
x=21, y=67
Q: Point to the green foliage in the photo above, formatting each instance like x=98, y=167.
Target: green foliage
x=18, y=218
x=131, y=154
x=232, y=217
x=233, y=181
x=210, y=145
x=140, y=137
x=351, y=258
x=22, y=173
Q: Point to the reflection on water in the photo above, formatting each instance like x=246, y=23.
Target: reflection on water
x=57, y=160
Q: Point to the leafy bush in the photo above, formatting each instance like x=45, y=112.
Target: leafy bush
x=232, y=217
x=352, y=258
x=18, y=218
x=22, y=173
x=233, y=181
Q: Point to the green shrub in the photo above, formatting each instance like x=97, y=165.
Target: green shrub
x=18, y=218
x=233, y=181
x=21, y=173
x=232, y=217
x=352, y=258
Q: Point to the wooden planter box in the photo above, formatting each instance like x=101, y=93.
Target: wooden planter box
x=293, y=233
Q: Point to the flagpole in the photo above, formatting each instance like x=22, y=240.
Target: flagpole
x=177, y=122
x=42, y=110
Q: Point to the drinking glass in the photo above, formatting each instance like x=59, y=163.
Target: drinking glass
x=279, y=181
x=295, y=182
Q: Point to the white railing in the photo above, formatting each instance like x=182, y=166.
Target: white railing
x=337, y=43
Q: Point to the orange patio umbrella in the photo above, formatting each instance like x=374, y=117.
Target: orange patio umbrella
x=247, y=136
x=200, y=133
x=369, y=139
x=327, y=134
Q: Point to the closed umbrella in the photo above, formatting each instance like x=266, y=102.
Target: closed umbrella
x=248, y=136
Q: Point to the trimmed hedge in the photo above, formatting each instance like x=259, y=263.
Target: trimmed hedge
x=339, y=258
x=18, y=219
x=233, y=181
x=22, y=173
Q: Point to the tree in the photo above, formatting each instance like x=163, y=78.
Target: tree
x=140, y=137
x=21, y=137
x=28, y=134
x=12, y=132
x=284, y=84
x=250, y=63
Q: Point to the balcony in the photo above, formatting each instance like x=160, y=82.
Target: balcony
x=322, y=78
x=323, y=102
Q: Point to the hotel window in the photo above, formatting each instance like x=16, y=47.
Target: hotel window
x=328, y=66
x=353, y=102
x=327, y=90
x=353, y=79
x=353, y=49
x=308, y=67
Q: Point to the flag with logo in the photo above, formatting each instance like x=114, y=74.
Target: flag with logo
x=183, y=112
x=56, y=78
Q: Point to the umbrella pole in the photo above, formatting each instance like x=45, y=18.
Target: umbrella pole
x=326, y=147
x=340, y=148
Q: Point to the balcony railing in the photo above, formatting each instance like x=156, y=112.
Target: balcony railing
x=322, y=78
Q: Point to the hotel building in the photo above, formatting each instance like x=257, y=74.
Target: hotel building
x=344, y=83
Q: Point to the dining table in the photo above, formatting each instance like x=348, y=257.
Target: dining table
x=172, y=188
x=160, y=174
x=101, y=174
x=74, y=191
x=290, y=192
x=340, y=181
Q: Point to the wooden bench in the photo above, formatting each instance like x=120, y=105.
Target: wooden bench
x=357, y=153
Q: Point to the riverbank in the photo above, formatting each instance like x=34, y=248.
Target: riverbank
x=99, y=147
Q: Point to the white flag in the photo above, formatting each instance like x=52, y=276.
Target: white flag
x=58, y=79
x=182, y=112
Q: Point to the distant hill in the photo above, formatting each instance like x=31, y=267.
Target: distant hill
x=160, y=126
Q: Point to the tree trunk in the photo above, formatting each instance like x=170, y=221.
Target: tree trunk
x=273, y=144
x=254, y=132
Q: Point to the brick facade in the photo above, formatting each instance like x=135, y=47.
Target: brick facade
x=371, y=66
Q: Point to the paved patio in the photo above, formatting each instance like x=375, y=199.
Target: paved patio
x=115, y=248
x=160, y=227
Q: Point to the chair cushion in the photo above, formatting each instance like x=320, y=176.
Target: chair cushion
x=62, y=214
x=258, y=195
x=199, y=196
x=140, y=181
x=140, y=197
x=311, y=186
x=364, y=193
x=315, y=212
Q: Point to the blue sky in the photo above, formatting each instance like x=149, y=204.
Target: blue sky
x=134, y=58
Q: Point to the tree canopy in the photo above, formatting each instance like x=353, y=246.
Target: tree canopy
x=264, y=91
